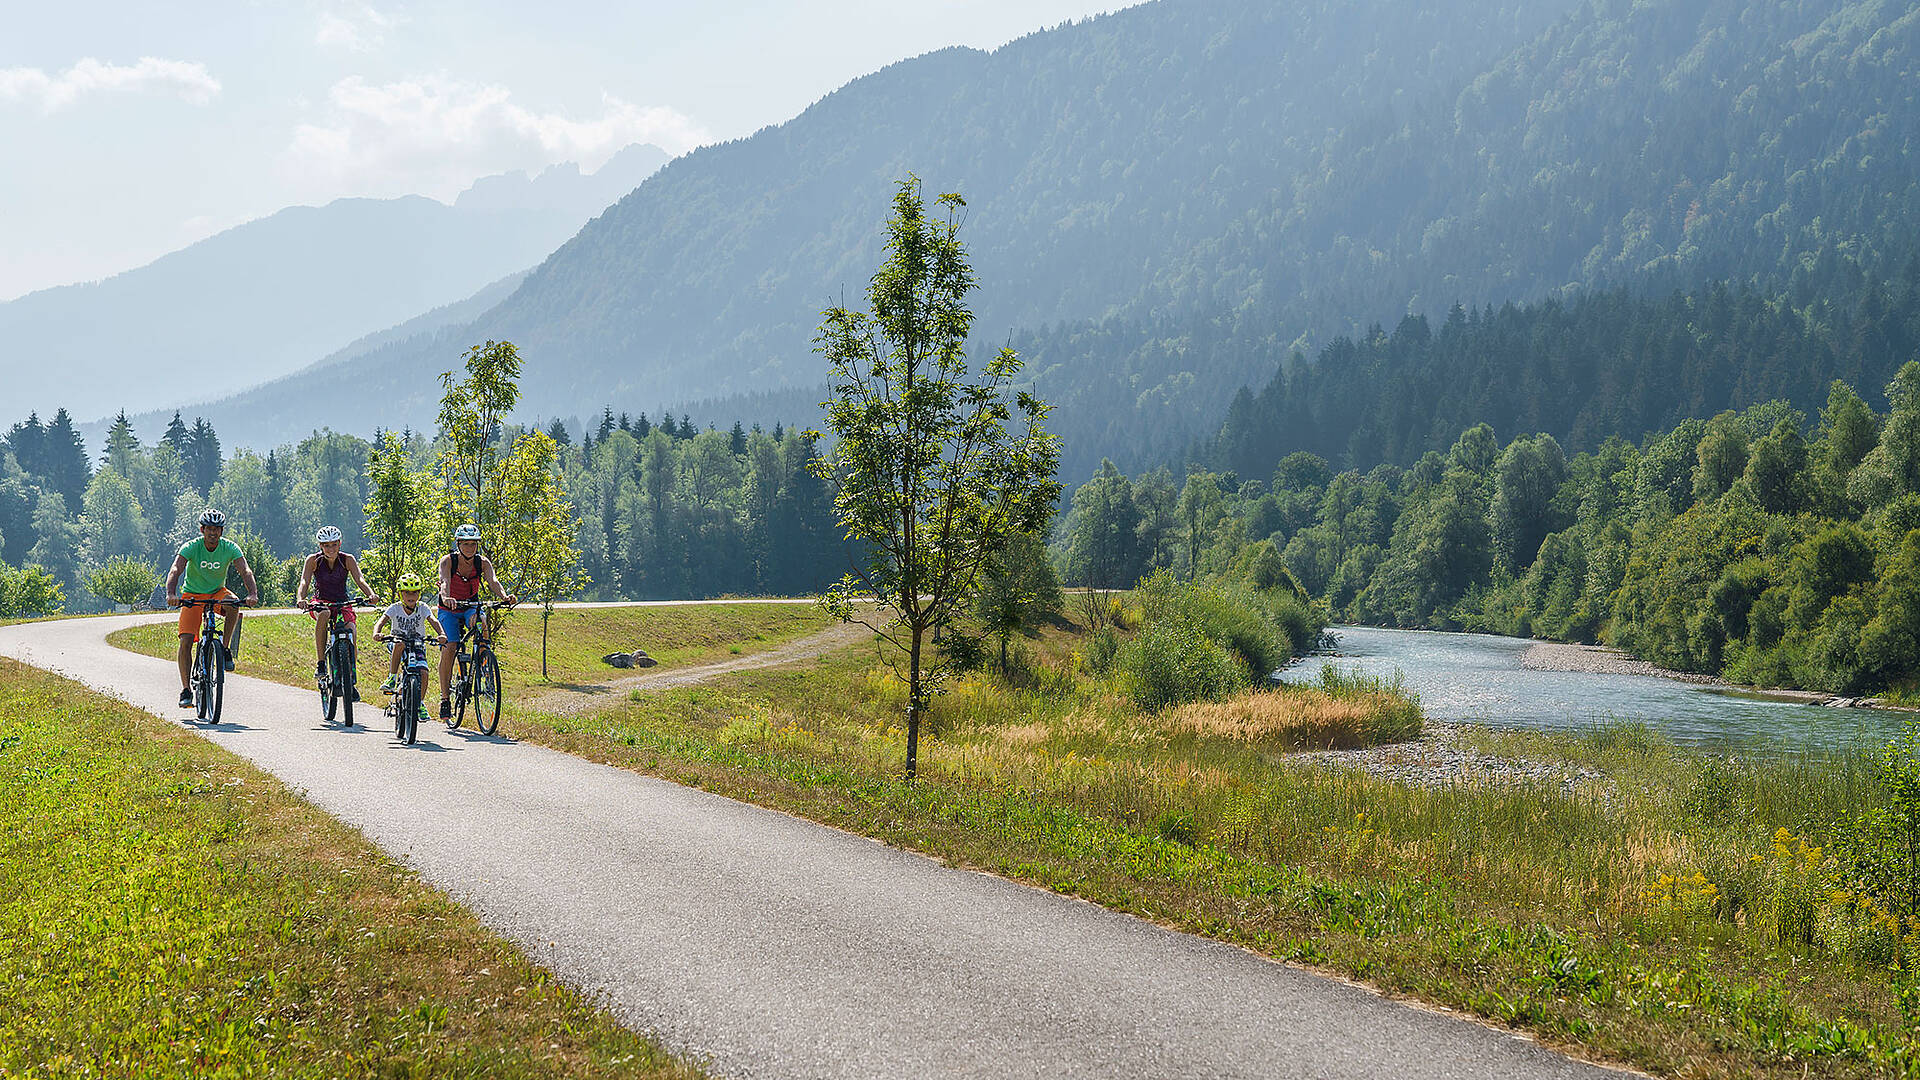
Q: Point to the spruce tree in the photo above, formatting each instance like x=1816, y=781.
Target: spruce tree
x=67, y=469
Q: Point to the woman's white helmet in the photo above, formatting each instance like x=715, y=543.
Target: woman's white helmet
x=328, y=534
x=467, y=532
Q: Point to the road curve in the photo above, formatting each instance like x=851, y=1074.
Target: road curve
x=773, y=947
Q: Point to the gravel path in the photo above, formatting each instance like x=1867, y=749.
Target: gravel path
x=576, y=701
x=773, y=947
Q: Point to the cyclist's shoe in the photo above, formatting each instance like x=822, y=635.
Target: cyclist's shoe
x=186, y=698
x=391, y=686
x=423, y=710
x=226, y=661
x=446, y=709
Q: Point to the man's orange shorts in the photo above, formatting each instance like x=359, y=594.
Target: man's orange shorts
x=190, y=615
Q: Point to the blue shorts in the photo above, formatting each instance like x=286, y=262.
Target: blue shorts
x=453, y=624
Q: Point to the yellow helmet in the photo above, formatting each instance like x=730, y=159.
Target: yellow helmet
x=409, y=582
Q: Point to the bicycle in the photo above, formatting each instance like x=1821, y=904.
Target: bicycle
x=338, y=688
x=208, y=675
x=407, y=697
x=478, y=677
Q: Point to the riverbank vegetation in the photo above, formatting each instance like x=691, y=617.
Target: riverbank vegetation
x=1748, y=546
x=171, y=910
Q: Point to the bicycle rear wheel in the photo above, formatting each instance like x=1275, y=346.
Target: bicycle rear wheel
x=485, y=687
x=202, y=678
x=406, y=720
x=462, y=690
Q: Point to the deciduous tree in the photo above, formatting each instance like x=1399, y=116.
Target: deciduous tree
x=932, y=481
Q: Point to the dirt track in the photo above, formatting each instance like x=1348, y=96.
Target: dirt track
x=582, y=700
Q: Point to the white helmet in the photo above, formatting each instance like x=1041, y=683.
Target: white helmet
x=328, y=534
x=467, y=532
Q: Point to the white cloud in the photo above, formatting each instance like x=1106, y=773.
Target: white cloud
x=359, y=27
x=150, y=75
x=433, y=136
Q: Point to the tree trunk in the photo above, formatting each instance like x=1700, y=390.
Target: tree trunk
x=546, y=612
x=913, y=707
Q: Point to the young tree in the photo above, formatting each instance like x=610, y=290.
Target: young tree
x=29, y=592
x=1017, y=590
x=123, y=581
x=471, y=411
x=536, y=555
x=932, y=482
x=403, y=521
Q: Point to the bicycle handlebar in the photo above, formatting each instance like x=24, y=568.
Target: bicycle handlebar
x=338, y=605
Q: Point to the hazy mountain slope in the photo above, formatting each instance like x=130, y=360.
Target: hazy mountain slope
x=1167, y=201
x=262, y=299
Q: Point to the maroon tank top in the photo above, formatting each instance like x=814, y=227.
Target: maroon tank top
x=330, y=582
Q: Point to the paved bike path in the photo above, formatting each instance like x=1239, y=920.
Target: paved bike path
x=774, y=947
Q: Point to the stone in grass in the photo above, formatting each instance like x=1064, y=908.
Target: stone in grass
x=633, y=659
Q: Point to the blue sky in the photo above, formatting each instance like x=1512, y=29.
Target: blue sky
x=132, y=128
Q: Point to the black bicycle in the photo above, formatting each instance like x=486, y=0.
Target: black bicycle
x=341, y=661
x=477, y=680
x=407, y=697
x=207, y=677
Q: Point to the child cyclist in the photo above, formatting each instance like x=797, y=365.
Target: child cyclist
x=324, y=578
x=408, y=618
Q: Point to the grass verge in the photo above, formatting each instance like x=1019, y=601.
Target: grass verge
x=1587, y=920
x=170, y=910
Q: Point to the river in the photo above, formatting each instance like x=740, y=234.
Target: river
x=1478, y=678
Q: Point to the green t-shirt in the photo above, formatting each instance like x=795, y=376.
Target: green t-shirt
x=207, y=570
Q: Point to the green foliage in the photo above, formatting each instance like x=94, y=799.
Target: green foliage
x=1174, y=661
x=472, y=408
x=932, y=482
x=403, y=519
x=124, y=581
x=29, y=592
x=1017, y=589
x=1200, y=642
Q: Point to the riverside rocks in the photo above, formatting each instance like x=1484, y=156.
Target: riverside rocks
x=1442, y=759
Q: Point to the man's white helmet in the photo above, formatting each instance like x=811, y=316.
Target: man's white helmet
x=328, y=534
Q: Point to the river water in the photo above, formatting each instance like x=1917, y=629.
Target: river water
x=1478, y=678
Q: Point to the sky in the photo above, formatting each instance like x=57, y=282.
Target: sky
x=131, y=129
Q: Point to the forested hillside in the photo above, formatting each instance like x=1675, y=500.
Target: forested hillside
x=1583, y=370
x=270, y=296
x=1168, y=201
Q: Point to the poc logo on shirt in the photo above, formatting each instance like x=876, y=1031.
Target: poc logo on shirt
x=205, y=565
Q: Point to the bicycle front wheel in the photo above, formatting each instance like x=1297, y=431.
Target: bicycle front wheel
x=219, y=660
x=486, y=692
x=343, y=678
x=204, y=665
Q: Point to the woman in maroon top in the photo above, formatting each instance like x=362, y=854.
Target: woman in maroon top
x=326, y=573
x=461, y=572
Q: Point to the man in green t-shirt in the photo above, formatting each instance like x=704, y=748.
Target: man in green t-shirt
x=200, y=573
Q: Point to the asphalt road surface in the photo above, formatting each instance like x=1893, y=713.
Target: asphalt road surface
x=773, y=947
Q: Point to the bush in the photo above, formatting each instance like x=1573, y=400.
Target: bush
x=1173, y=662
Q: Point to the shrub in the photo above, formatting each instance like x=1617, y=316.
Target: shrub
x=1173, y=661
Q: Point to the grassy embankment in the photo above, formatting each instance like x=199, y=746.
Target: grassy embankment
x=280, y=647
x=169, y=911
x=1659, y=918
x=1651, y=919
